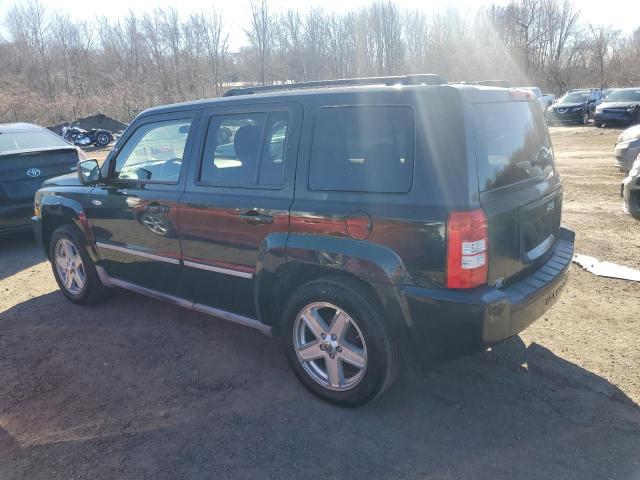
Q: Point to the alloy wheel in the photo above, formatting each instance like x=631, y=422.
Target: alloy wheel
x=70, y=267
x=330, y=346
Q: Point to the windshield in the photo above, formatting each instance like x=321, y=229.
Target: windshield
x=575, y=97
x=30, y=140
x=624, y=96
x=512, y=143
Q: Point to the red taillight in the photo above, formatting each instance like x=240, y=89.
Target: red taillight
x=521, y=96
x=467, y=249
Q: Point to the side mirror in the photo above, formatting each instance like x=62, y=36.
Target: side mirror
x=89, y=172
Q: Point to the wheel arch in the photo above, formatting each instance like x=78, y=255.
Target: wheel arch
x=57, y=211
x=288, y=262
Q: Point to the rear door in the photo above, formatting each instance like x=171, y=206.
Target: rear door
x=238, y=194
x=134, y=214
x=520, y=189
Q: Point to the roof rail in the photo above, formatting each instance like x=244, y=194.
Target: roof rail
x=416, y=79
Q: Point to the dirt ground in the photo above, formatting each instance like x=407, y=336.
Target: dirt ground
x=134, y=388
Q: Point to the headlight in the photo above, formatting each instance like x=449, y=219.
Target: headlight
x=550, y=109
x=635, y=168
x=577, y=109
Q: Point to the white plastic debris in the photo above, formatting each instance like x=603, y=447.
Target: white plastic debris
x=606, y=269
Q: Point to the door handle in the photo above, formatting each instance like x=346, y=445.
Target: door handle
x=255, y=218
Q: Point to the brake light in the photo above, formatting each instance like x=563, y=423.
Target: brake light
x=467, y=249
x=521, y=95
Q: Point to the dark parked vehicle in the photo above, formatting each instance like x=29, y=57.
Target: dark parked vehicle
x=85, y=138
x=29, y=154
x=630, y=190
x=627, y=148
x=575, y=106
x=359, y=224
x=621, y=107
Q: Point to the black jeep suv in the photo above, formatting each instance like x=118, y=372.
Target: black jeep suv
x=358, y=221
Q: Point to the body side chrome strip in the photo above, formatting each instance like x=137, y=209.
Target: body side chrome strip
x=138, y=253
x=211, y=268
x=215, y=312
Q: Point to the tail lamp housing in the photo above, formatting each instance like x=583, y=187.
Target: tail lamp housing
x=467, y=249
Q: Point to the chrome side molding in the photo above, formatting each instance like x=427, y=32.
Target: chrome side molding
x=211, y=268
x=181, y=302
x=139, y=253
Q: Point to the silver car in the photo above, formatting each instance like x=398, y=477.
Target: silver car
x=627, y=148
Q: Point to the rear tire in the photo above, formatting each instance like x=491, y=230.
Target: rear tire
x=103, y=139
x=337, y=343
x=73, y=268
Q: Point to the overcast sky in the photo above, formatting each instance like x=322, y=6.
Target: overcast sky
x=622, y=14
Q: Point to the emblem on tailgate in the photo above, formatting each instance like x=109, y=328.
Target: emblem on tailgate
x=551, y=205
x=33, y=172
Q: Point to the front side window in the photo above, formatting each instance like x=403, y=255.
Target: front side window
x=363, y=149
x=245, y=149
x=154, y=152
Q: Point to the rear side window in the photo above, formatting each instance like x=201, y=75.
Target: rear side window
x=363, y=149
x=245, y=149
x=512, y=143
x=30, y=140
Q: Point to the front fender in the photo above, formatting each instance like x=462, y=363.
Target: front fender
x=58, y=210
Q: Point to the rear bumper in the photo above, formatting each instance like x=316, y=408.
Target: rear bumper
x=15, y=218
x=448, y=323
x=36, y=223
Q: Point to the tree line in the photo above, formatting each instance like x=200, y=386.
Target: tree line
x=56, y=68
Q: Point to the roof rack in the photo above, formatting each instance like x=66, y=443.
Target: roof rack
x=417, y=79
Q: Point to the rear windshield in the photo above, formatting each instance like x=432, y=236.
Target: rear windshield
x=512, y=143
x=29, y=140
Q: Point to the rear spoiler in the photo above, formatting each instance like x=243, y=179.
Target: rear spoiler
x=31, y=151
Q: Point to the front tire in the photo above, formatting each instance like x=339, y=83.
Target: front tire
x=585, y=118
x=73, y=268
x=337, y=342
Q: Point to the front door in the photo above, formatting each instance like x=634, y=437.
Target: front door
x=134, y=214
x=238, y=195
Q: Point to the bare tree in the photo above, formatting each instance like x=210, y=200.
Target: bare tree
x=260, y=34
x=602, y=37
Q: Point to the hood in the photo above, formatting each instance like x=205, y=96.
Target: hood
x=617, y=104
x=70, y=179
x=568, y=105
